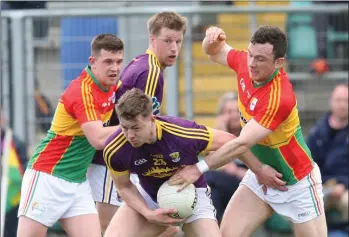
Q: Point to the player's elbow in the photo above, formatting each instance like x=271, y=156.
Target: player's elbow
x=98, y=144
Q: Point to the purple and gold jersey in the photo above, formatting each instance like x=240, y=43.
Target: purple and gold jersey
x=179, y=143
x=144, y=73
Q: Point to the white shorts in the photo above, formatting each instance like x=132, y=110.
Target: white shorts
x=204, y=208
x=102, y=185
x=46, y=198
x=301, y=203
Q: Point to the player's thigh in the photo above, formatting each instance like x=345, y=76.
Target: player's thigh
x=202, y=228
x=30, y=228
x=244, y=214
x=316, y=227
x=44, y=198
x=105, y=212
x=129, y=223
x=82, y=226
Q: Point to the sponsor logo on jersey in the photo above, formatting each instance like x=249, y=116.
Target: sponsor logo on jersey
x=140, y=161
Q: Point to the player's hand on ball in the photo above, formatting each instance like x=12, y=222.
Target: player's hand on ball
x=185, y=176
x=215, y=34
x=162, y=216
x=271, y=178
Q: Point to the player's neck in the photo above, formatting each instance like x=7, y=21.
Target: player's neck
x=99, y=83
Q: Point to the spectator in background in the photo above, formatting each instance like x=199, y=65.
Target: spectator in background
x=328, y=142
x=225, y=181
x=43, y=109
x=17, y=159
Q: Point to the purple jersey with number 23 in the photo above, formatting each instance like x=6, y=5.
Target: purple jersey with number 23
x=179, y=143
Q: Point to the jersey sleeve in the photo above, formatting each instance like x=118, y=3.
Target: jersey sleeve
x=197, y=138
x=235, y=57
x=275, y=110
x=151, y=82
x=116, y=154
x=84, y=106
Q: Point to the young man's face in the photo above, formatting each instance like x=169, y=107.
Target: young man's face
x=139, y=130
x=167, y=46
x=261, y=62
x=107, y=66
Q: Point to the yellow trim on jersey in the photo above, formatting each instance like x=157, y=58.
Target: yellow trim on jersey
x=112, y=148
x=153, y=74
x=273, y=105
x=191, y=133
x=88, y=99
x=195, y=133
x=116, y=173
x=158, y=130
x=209, y=144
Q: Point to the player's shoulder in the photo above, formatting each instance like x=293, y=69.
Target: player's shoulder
x=281, y=91
x=175, y=123
x=117, y=142
x=141, y=65
x=77, y=87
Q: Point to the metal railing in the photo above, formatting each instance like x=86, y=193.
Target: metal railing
x=18, y=99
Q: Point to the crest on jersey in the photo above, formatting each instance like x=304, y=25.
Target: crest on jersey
x=253, y=103
x=112, y=98
x=175, y=156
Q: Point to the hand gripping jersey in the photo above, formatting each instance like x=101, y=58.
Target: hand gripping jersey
x=144, y=73
x=179, y=143
x=273, y=105
x=65, y=152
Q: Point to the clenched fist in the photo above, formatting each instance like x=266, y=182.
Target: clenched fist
x=215, y=34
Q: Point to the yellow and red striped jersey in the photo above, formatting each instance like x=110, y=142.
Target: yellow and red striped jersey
x=273, y=105
x=65, y=152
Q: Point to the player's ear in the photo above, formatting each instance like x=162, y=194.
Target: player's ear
x=92, y=61
x=279, y=62
x=152, y=40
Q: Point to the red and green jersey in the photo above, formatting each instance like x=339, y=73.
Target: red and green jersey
x=273, y=105
x=65, y=152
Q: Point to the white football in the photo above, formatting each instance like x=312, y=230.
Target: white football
x=184, y=201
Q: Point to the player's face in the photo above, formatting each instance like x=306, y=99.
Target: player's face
x=139, y=130
x=261, y=62
x=167, y=46
x=339, y=102
x=107, y=66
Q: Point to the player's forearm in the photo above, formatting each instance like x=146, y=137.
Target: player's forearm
x=251, y=161
x=103, y=135
x=213, y=48
x=134, y=199
x=226, y=153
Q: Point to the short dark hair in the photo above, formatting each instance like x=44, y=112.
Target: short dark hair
x=272, y=35
x=133, y=103
x=108, y=42
x=167, y=19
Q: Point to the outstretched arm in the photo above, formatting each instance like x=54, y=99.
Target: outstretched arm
x=232, y=148
x=215, y=47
